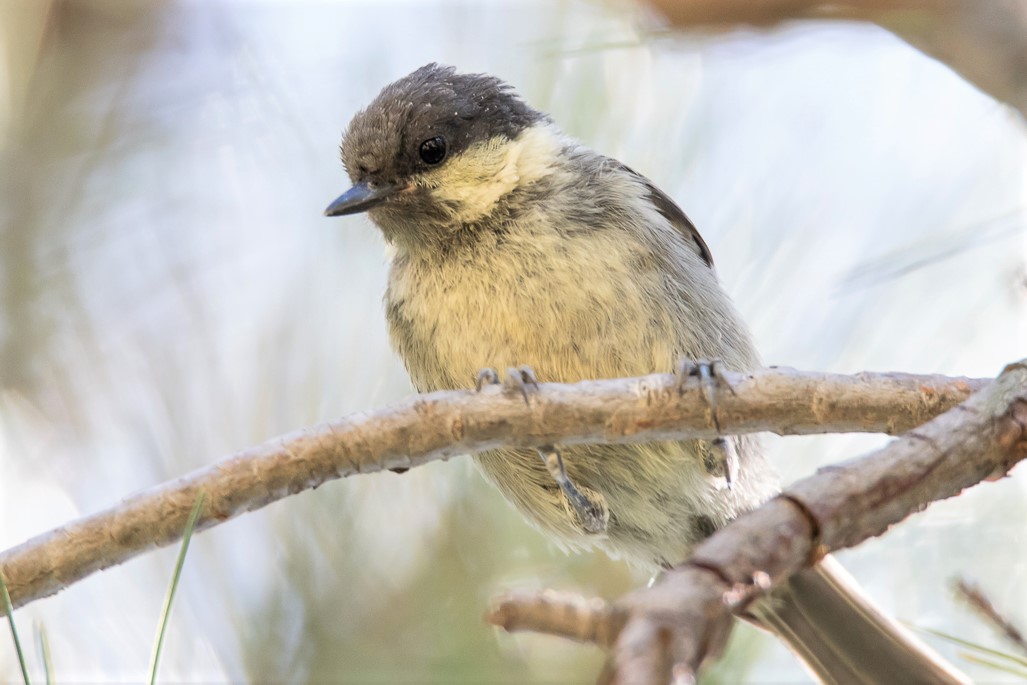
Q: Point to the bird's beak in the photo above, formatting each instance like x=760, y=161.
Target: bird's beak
x=360, y=198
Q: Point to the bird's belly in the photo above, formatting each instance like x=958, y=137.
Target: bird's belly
x=568, y=326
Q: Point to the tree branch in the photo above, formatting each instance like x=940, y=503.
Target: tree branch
x=670, y=629
x=984, y=42
x=429, y=427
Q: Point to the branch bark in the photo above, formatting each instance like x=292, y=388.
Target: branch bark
x=666, y=632
x=984, y=42
x=430, y=427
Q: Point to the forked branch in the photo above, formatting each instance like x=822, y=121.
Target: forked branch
x=663, y=634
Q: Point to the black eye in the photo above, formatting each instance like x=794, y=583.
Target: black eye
x=433, y=150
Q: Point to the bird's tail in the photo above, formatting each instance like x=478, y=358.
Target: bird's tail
x=843, y=638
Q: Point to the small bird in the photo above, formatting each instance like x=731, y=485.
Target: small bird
x=517, y=247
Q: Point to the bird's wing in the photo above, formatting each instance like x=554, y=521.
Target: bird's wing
x=678, y=219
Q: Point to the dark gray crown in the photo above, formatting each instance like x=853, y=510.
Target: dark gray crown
x=383, y=139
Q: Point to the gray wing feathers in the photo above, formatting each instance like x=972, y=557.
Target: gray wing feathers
x=674, y=214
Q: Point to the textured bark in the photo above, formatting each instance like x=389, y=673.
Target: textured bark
x=559, y=613
x=429, y=427
x=672, y=628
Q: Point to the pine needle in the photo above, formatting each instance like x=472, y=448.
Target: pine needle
x=173, y=587
x=997, y=665
x=980, y=649
x=9, y=610
x=44, y=648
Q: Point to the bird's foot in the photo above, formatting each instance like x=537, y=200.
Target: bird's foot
x=520, y=379
x=720, y=460
x=587, y=506
x=711, y=379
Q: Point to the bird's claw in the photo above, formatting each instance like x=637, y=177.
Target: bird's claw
x=519, y=379
x=711, y=379
x=724, y=454
x=487, y=376
x=587, y=506
x=721, y=458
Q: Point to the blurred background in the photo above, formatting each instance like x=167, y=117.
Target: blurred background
x=171, y=293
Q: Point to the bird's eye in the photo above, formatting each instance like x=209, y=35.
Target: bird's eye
x=433, y=150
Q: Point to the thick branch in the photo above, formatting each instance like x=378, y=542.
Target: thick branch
x=678, y=623
x=984, y=42
x=430, y=427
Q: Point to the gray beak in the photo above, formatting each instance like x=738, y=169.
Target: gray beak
x=360, y=198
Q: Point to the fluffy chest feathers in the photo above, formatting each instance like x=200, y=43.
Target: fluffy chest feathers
x=568, y=308
x=570, y=296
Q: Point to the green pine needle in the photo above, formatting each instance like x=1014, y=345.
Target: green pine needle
x=9, y=610
x=44, y=648
x=169, y=598
x=997, y=665
x=981, y=649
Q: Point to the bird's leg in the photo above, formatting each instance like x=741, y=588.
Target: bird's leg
x=587, y=506
x=711, y=377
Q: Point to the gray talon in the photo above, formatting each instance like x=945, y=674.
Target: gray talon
x=717, y=372
x=528, y=375
x=711, y=378
x=521, y=379
x=725, y=454
x=486, y=376
x=705, y=373
x=686, y=369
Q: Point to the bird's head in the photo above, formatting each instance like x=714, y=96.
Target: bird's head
x=437, y=151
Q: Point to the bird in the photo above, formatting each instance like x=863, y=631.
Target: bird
x=514, y=246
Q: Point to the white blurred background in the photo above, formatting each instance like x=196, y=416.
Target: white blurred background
x=171, y=293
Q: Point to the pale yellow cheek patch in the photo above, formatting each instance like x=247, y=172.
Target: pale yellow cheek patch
x=475, y=180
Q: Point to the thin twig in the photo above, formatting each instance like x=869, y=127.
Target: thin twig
x=562, y=613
